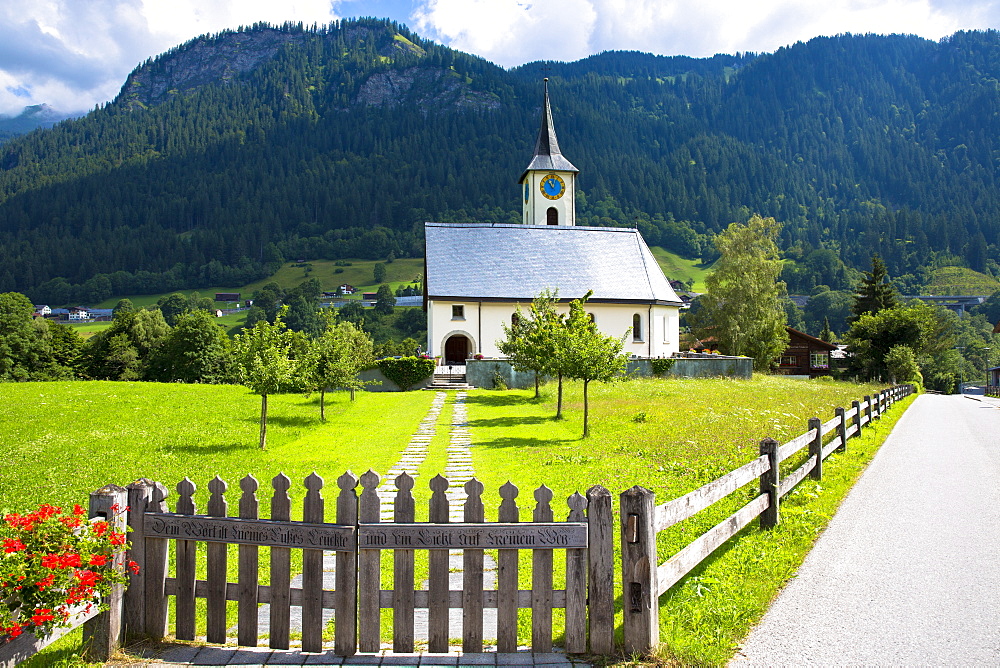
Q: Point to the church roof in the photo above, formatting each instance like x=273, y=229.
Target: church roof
x=500, y=262
x=547, y=156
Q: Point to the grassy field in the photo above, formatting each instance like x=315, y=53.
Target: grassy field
x=360, y=274
x=669, y=436
x=678, y=268
x=960, y=281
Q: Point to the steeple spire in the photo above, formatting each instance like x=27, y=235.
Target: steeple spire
x=547, y=155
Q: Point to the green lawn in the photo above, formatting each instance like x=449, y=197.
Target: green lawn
x=71, y=438
x=670, y=436
x=678, y=268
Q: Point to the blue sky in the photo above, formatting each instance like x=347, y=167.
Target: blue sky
x=75, y=54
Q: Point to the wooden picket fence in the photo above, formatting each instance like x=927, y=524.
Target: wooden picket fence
x=359, y=539
x=643, y=581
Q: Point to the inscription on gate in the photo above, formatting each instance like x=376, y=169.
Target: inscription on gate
x=250, y=532
x=558, y=535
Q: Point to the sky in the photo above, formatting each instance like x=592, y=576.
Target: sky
x=76, y=54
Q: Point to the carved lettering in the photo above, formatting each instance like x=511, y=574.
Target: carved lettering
x=250, y=532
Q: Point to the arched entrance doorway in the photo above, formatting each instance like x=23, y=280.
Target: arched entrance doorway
x=457, y=349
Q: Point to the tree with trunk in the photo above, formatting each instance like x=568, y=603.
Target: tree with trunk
x=743, y=308
x=264, y=363
x=336, y=358
x=529, y=342
x=584, y=353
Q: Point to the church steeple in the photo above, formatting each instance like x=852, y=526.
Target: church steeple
x=549, y=181
x=547, y=156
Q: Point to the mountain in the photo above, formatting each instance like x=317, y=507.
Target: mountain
x=233, y=151
x=30, y=118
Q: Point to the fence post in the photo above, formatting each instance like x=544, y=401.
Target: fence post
x=639, y=589
x=868, y=409
x=101, y=633
x=134, y=613
x=156, y=571
x=856, y=407
x=841, y=428
x=769, y=480
x=816, y=448
x=601, y=564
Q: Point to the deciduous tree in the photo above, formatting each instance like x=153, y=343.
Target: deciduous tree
x=584, y=353
x=742, y=308
x=336, y=358
x=264, y=363
x=530, y=343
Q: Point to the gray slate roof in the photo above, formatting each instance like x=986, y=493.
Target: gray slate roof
x=547, y=155
x=516, y=262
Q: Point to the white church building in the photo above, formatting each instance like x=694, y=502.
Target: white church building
x=477, y=274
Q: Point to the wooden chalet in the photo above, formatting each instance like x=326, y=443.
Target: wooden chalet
x=805, y=355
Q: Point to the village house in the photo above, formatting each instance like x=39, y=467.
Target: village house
x=805, y=355
x=478, y=274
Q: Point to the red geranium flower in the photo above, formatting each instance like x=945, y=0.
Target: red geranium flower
x=98, y=560
x=12, y=545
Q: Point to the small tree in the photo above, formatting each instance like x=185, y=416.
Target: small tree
x=264, y=363
x=385, y=301
x=336, y=358
x=584, y=353
x=378, y=272
x=530, y=339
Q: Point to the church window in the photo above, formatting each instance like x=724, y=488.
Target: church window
x=515, y=319
x=592, y=318
x=637, y=327
x=458, y=311
x=552, y=216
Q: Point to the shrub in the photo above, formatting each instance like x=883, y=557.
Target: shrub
x=662, y=366
x=406, y=371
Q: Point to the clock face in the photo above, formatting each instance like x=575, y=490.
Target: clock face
x=552, y=187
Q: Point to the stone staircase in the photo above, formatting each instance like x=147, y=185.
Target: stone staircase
x=449, y=381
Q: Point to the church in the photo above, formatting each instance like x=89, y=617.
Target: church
x=477, y=274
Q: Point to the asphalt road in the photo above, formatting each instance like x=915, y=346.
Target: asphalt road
x=908, y=571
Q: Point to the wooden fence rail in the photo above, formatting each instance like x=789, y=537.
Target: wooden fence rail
x=644, y=580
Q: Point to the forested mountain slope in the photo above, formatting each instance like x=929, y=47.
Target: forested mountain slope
x=232, y=151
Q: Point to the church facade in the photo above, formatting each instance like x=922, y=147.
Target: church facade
x=478, y=274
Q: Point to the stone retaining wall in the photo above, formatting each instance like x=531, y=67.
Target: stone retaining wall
x=479, y=373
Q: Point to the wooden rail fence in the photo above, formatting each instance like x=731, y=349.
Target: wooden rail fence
x=643, y=580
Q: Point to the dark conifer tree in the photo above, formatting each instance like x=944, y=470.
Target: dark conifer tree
x=875, y=293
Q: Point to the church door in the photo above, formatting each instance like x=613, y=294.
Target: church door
x=456, y=349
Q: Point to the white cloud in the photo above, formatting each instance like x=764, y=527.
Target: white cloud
x=511, y=32
x=74, y=54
